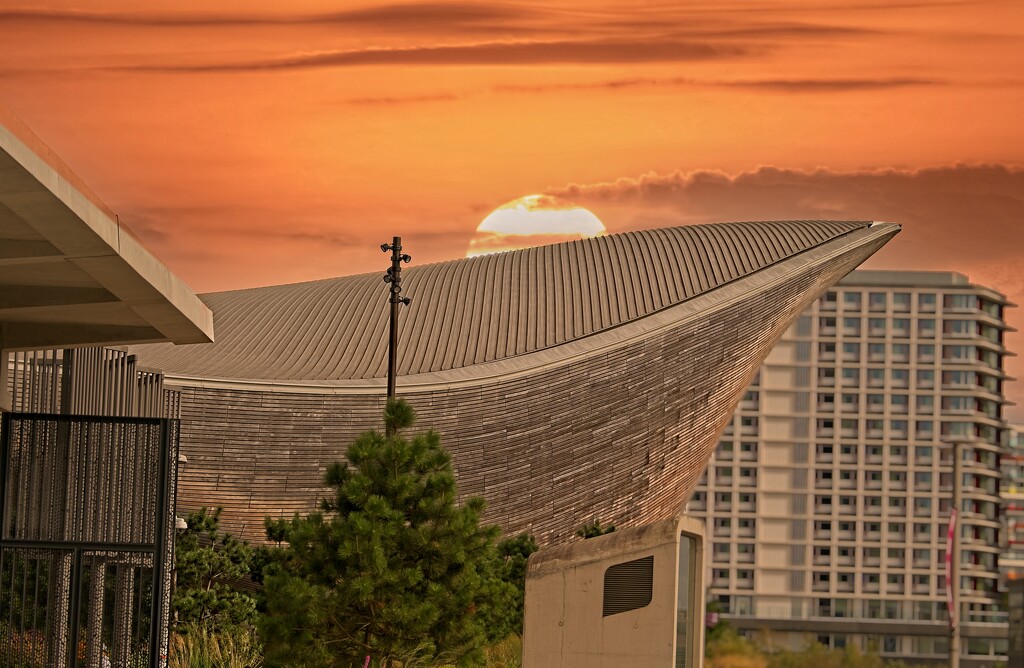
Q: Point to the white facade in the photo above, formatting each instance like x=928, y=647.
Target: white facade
x=829, y=496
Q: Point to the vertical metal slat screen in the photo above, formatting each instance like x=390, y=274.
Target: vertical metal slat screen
x=86, y=507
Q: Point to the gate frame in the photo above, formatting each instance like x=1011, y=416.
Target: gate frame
x=159, y=631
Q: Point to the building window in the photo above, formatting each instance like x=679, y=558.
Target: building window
x=851, y=301
x=959, y=327
x=926, y=328
x=926, y=302
x=877, y=301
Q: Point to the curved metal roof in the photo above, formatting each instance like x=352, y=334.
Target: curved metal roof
x=480, y=309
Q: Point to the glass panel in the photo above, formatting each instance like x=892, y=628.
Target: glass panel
x=688, y=622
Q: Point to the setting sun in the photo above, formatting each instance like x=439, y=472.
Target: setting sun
x=532, y=220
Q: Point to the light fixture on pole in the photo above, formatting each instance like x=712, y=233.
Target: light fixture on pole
x=393, y=278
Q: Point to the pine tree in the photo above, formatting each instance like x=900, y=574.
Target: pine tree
x=208, y=563
x=390, y=567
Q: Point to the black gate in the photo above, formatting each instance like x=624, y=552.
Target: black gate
x=86, y=522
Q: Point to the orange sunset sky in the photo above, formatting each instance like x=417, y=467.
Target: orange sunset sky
x=253, y=143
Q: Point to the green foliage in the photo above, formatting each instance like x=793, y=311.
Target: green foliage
x=506, y=653
x=390, y=567
x=509, y=566
x=207, y=562
x=197, y=646
x=728, y=643
x=277, y=529
x=594, y=529
x=398, y=415
x=731, y=650
x=716, y=633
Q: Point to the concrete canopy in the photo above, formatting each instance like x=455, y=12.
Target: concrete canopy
x=70, y=274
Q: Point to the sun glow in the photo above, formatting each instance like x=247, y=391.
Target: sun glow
x=532, y=221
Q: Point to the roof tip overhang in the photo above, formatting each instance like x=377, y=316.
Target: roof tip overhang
x=70, y=273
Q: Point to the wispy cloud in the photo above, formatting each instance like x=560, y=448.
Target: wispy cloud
x=399, y=100
x=487, y=53
x=963, y=217
x=939, y=205
x=396, y=15
x=779, y=85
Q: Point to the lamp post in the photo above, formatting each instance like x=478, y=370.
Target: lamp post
x=393, y=277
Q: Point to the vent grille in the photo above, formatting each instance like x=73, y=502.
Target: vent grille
x=628, y=586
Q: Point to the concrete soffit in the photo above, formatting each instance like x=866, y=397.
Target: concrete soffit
x=70, y=274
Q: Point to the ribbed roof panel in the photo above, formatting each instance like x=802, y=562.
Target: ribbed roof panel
x=479, y=309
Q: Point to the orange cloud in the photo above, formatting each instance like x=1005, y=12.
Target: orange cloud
x=964, y=218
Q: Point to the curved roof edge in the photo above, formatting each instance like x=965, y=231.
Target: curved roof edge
x=867, y=240
x=479, y=310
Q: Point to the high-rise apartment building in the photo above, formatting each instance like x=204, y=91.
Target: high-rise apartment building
x=829, y=496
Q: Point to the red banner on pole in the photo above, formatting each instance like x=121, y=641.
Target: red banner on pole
x=950, y=603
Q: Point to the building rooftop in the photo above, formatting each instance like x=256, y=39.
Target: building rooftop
x=484, y=309
x=70, y=273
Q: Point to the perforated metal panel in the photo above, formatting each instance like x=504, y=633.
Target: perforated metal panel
x=628, y=586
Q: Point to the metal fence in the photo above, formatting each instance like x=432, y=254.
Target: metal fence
x=86, y=512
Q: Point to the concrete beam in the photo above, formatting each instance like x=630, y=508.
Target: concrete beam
x=28, y=296
x=33, y=336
